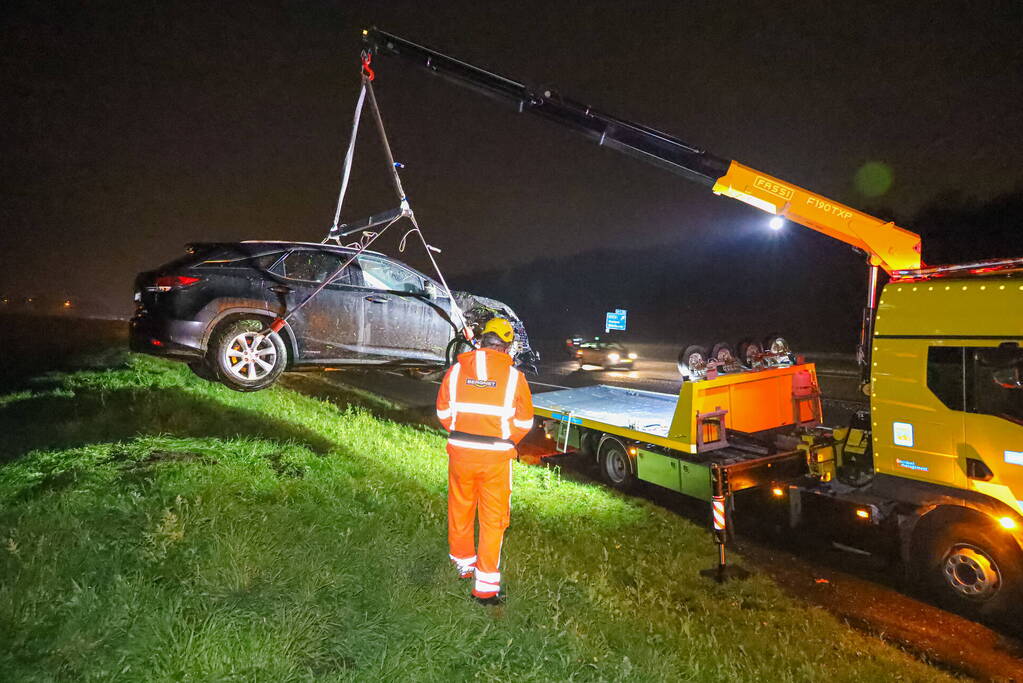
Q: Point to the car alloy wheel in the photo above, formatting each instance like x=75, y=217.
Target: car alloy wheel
x=247, y=356
x=250, y=356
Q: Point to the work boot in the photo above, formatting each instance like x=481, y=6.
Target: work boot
x=492, y=601
x=468, y=573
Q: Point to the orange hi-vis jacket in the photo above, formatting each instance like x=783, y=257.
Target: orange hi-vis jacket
x=486, y=405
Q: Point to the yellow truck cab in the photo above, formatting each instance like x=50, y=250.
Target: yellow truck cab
x=946, y=426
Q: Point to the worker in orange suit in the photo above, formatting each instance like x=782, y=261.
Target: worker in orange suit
x=486, y=406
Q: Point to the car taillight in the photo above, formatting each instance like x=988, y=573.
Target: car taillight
x=166, y=283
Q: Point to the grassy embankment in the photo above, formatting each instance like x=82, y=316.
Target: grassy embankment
x=154, y=526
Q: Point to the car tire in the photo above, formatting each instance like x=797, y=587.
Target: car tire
x=457, y=346
x=694, y=354
x=776, y=343
x=724, y=352
x=200, y=369
x=238, y=365
x=748, y=351
x=972, y=569
x=425, y=374
x=616, y=465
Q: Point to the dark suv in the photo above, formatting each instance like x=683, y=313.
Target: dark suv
x=211, y=309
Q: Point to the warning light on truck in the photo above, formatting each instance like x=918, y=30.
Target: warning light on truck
x=1007, y=523
x=863, y=513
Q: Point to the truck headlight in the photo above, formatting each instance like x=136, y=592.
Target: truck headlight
x=613, y=357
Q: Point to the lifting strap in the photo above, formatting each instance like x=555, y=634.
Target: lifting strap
x=387, y=219
x=346, y=169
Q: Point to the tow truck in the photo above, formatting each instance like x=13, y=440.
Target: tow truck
x=932, y=472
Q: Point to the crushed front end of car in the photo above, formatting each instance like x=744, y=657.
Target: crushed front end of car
x=479, y=309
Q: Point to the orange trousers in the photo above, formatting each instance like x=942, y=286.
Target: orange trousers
x=486, y=487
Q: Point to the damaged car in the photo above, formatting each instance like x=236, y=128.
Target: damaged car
x=212, y=309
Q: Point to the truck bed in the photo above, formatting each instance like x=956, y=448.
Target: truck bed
x=645, y=417
x=647, y=412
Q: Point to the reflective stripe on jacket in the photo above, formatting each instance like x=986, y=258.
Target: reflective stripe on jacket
x=485, y=403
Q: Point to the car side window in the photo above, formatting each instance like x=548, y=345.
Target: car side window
x=309, y=265
x=379, y=274
x=351, y=275
x=268, y=261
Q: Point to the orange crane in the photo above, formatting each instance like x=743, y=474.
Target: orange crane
x=887, y=246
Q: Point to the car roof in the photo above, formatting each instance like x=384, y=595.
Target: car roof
x=334, y=248
x=317, y=245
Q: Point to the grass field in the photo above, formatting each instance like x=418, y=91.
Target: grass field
x=157, y=527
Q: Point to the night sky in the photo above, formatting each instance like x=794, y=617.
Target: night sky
x=132, y=128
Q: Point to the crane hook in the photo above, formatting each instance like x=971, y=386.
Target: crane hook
x=367, y=70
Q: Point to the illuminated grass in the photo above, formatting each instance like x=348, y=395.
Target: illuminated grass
x=154, y=527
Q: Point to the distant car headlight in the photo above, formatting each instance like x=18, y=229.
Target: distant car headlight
x=633, y=356
x=613, y=357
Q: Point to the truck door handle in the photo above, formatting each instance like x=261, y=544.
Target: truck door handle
x=280, y=289
x=377, y=299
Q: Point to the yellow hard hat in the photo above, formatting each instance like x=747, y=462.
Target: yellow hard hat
x=502, y=328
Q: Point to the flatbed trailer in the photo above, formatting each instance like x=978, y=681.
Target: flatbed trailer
x=719, y=436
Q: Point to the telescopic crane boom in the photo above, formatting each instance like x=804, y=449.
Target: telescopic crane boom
x=887, y=246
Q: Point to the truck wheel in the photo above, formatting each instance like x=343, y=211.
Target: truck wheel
x=588, y=443
x=244, y=358
x=973, y=570
x=616, y=466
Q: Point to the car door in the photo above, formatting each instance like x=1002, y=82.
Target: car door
x=332, y=326
x=404, y=322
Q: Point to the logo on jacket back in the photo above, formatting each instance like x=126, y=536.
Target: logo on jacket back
x=482, y=383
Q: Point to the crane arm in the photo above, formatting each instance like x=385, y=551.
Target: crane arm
x=887, y=245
